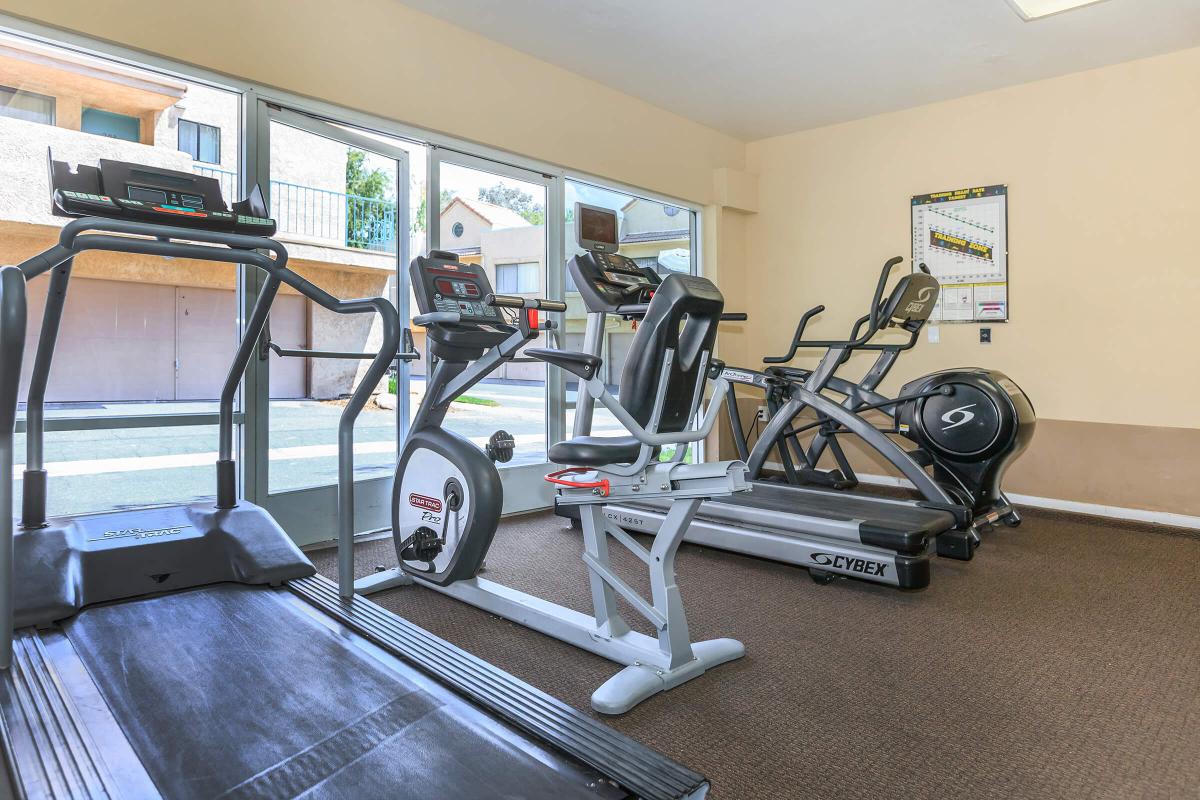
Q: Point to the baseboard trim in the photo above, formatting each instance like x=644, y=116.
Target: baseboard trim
x=1074, y=506
x=1055, y=504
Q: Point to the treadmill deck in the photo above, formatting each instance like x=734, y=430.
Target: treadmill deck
x=233, y=691
x=898, y=525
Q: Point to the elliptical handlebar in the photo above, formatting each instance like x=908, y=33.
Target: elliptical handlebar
x=877, y=301
x=797, y=338
x=856, y=340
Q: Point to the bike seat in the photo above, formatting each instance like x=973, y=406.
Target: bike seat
x=596, y=451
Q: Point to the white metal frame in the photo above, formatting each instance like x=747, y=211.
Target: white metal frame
x=252, y=416
x=309, y=514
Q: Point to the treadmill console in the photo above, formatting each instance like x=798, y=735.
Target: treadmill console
x=606, y=279
x=121, y=190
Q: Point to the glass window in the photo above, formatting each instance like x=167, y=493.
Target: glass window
x=504, y=221
x=110, y=124
x=202, y=142
x=655, y=235
x=110, y=468
x=518, y=278
x=29, y=106
x=140, y=335
x=325, y=191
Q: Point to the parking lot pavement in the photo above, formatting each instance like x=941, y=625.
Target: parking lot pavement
x=129, y=467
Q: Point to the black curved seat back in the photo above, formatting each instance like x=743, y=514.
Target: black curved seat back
x=911, y=301
x=683, y=316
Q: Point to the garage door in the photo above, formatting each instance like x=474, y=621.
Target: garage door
x=116, y=341
x=206, y=331
x=123, y=341
x=206, y=327
x=289, y=328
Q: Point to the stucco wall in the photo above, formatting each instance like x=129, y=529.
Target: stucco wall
x=24, y=173
x=207, y=106
x=473, y=227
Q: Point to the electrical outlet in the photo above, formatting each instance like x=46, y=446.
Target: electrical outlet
x=763, y=414
x=985, y=335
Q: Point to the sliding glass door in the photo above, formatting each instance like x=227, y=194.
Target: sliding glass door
x=496, y=215
x=340, y=197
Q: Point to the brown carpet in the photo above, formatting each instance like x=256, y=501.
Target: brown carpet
x=1062, y=662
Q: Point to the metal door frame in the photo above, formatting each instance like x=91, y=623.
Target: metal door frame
x=309, y=514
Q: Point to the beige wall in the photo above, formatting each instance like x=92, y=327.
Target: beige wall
x=1102, y=169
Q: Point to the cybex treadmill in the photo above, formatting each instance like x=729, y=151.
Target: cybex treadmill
x=830, y=532
x=192, y=651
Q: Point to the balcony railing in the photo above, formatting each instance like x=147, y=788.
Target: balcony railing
x=364, y=223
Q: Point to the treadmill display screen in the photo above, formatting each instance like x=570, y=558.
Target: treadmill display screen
x=598, y=226
x=147, y=195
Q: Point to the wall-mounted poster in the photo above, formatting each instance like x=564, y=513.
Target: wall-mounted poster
x=962, y=236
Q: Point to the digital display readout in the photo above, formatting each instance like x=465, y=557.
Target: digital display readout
x=457, y=288
x=147, y=195
x=598, y=226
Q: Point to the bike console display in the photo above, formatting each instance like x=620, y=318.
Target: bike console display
x=120, y=190
x=607, y=280
x=443, y=284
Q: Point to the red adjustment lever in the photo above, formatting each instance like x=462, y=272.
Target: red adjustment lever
x=531, y=316
x=556, y=477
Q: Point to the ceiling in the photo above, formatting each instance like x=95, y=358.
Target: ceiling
x=759, y=68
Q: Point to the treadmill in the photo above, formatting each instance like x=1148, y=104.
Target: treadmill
x=830, y=532
x=192, y=651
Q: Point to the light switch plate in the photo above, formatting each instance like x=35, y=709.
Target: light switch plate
x=935, y=333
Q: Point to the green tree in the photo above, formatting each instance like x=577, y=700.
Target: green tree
x=370, y=218
x=423, y=208
x=513, y=198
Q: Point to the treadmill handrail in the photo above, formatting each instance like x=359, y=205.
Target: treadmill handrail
x=148, y=238
x=12, y=348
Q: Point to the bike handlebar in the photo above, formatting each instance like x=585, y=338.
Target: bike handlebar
x=514, y=301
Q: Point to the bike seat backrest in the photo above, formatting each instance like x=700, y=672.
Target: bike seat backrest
x=911, y=301
x=683, y=316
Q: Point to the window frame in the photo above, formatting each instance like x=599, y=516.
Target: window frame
x=51, y=98
x=521, y=268
x=200, y=126
x=105, y=112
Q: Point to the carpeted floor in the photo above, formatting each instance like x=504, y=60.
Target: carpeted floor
x=1063, y=662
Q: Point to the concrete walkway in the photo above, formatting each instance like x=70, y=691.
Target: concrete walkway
x=131, y=467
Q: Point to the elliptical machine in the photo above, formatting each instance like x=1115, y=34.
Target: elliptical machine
x=969, y=424
x=447, y=496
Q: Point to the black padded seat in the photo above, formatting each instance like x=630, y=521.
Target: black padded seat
x=596, y=451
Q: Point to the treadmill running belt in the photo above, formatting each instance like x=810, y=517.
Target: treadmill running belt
x=237, y=692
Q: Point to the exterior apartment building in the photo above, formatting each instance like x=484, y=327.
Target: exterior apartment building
x=139, y=328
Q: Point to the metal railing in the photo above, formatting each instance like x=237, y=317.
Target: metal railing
x=349, y=220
